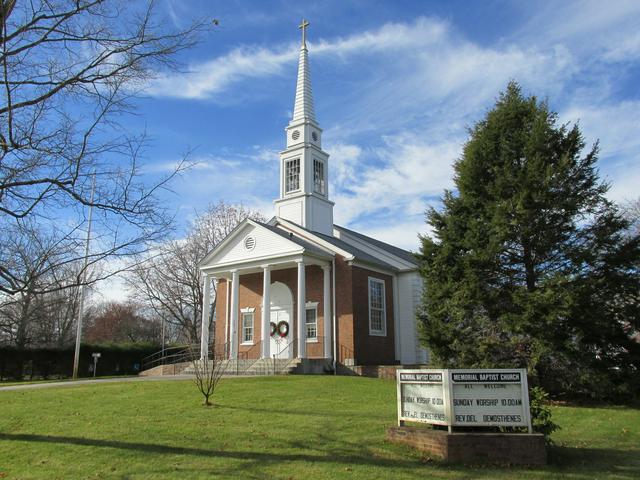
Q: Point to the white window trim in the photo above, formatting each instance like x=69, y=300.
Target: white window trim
x=284, y=173
x=311, y=306
x=323, y=182
x=383, y=332
x=248, y=311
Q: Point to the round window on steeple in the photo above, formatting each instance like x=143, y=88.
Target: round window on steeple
x=296, y=134
x=314, y=135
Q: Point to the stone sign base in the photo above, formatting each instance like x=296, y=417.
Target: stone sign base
x=501, y=448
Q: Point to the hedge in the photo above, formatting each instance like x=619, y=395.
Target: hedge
x=57, y=362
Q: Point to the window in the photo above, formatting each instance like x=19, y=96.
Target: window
x=292, y=175
x=377, y=314
x=312, y=323
x=318, y=176
x=247, y=328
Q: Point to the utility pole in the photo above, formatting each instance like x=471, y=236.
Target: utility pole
x=76, y=357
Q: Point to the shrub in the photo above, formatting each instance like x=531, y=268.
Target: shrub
x=541, y=413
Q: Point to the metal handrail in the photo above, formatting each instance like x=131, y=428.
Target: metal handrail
x=168, y=356
x=246, y=356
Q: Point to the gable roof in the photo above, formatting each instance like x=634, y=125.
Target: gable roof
x=356, y=253
x=398, y=252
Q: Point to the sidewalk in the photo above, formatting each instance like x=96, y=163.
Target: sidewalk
x=73, y=383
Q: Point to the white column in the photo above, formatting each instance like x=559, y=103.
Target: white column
x=266, y=311
x=397, y=330
x=302, y=313
x=235, y=284
x=206, y=306
x=326, y=308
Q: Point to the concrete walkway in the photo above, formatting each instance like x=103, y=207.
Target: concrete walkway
x=73, y=383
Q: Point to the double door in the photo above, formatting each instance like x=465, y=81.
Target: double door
x=281, y=340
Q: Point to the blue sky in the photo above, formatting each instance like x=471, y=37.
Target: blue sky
x=395, y=85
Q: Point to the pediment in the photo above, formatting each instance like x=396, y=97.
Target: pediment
x=249, y=242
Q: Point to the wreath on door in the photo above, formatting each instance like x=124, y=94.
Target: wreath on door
x=283, y=329
x=274, y=328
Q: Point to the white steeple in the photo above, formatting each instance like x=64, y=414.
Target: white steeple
x=303, y=106
x=304, y=166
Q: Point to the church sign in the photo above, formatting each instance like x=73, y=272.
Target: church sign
x=464, y=397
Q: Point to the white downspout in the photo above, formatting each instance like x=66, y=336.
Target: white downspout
x=397, y=331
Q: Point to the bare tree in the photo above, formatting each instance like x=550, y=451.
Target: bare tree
x=69, y=70
x=44, y=311
x=170, y=283
x=208, y=373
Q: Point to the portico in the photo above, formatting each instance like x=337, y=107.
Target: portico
x=253, y=329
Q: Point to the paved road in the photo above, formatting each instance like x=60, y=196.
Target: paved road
x=73, y=383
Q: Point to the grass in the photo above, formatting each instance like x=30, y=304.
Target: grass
x=274, y=427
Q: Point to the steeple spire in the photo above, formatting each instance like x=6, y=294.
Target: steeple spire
x=304, y=166
x=303, y=107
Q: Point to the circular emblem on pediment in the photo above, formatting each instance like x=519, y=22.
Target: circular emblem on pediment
x=296, y=134
x=249, y=243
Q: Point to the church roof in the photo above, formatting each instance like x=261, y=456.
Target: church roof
x=398, y=252
x=357, y=253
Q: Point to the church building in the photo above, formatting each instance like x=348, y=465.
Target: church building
x=301, y=287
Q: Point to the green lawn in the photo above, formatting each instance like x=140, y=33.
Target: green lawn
x=274, y=427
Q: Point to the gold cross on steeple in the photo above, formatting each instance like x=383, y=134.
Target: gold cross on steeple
x=303, y=26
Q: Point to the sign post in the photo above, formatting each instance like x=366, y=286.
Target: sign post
x=95, y=356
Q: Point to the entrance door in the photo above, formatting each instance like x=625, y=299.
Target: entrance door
x=281, y=345
x=281, y=316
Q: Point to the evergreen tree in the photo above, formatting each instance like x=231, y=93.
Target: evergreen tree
x=529, y=264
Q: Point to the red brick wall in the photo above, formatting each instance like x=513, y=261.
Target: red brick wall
x=221, y=319
x=371, y=349
x=474, y=448
x=352, y=312
x=344, y=312
x=250, y=296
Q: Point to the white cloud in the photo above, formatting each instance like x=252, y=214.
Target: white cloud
x=617, y=126
x=390, y=37
x=586, y=21
x=402, y=234
x=623, y=48
x=215, y=76
x=427, y=81
x=344, y=161
x=112, y=289
x=406, y=173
